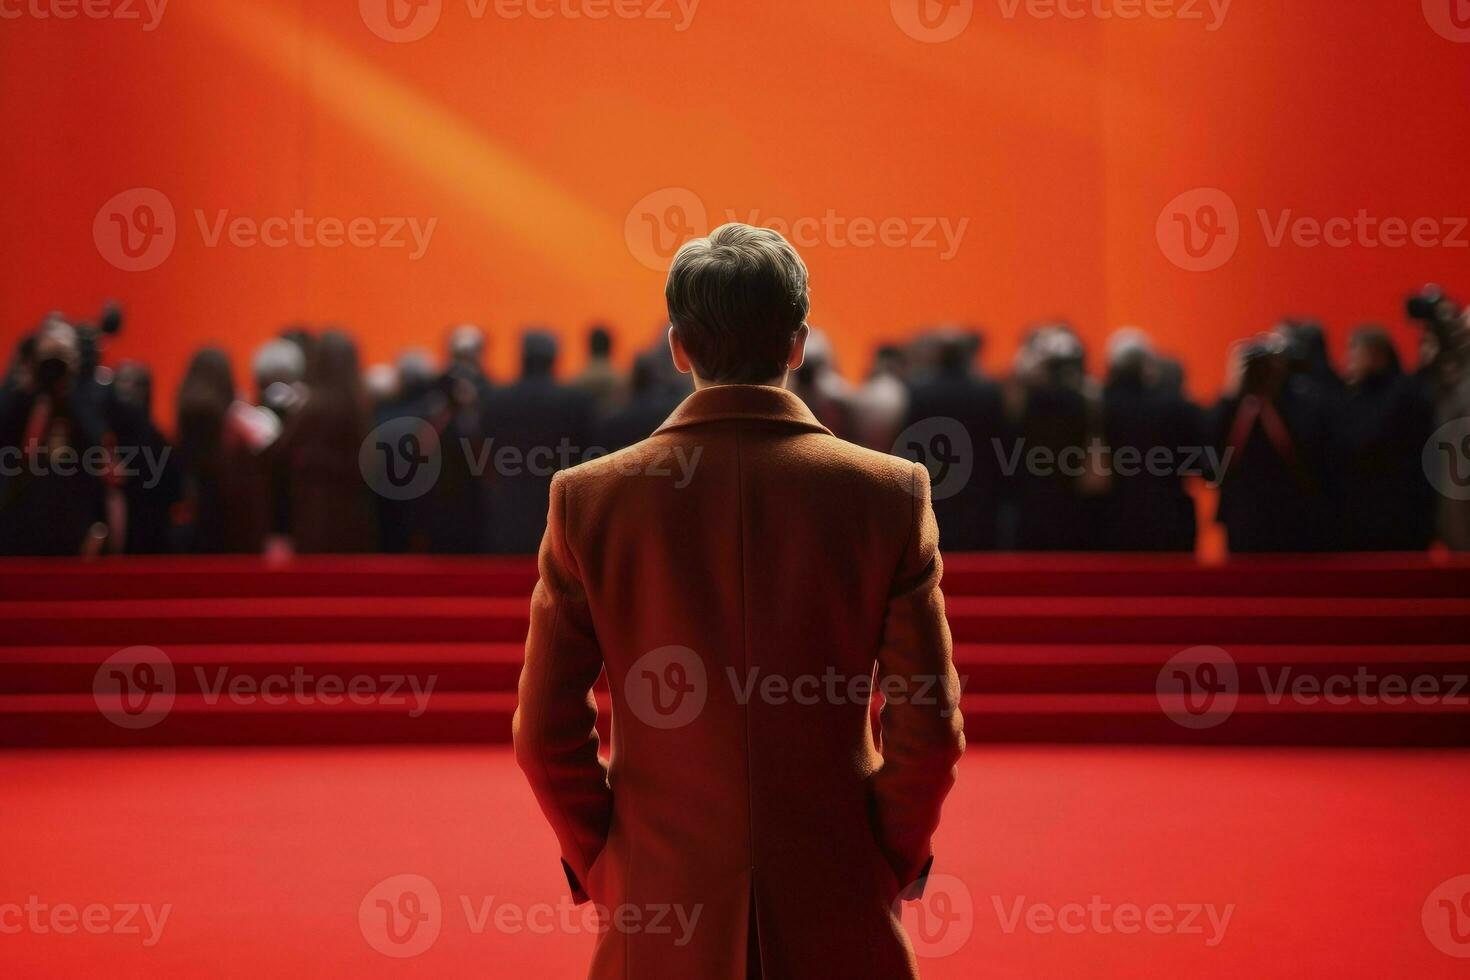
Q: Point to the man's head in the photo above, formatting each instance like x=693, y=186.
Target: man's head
x=277, y=362
x=1130, y=355
x=737, y=307
x=467, y=346
x=1371, y=354
x=599, y=343
x=134, y=385
x=415, y=372
x=538, y=353
x=56, y=355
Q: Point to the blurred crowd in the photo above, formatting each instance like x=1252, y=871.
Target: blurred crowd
x=1307, y=454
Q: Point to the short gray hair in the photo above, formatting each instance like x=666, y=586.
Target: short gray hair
x=736, y=300
x=278, y=360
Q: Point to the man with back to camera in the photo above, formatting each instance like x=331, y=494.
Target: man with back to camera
x=739, y=574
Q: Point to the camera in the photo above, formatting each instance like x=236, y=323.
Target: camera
x=1262, y=347
x=51, y=371
x=61, y=351
x=1263, y=364
x=91, y=336
x=1432, y=306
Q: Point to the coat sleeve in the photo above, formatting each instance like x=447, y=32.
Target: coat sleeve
x=922, y=729
x=554, y=728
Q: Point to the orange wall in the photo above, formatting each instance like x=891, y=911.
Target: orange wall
x=1057, y=140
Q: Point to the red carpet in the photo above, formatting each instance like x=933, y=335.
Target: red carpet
x=1052, y=648
x=1059, y=861
x=265, y=856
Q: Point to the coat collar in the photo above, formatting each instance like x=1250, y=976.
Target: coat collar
x=757, y=402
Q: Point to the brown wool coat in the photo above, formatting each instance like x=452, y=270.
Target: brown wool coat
x=738, y=606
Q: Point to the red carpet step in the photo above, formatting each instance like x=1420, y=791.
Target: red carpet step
x=73, y=720
x=1187, y=620
x=1332, y=576
x=1051, y=648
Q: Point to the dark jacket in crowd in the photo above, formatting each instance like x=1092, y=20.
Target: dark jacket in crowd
x=644, y=412
x=48, y=499
x=1148, y=508
x=448, y=519
x=969, y=519
x=1053, y=511
x=149, y=495
x=331, y=507
x=532, y=428
x=1383, y=501
x=1272, y=496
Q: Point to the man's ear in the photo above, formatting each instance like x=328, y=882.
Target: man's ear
x=798, y=348
x=676, y=350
